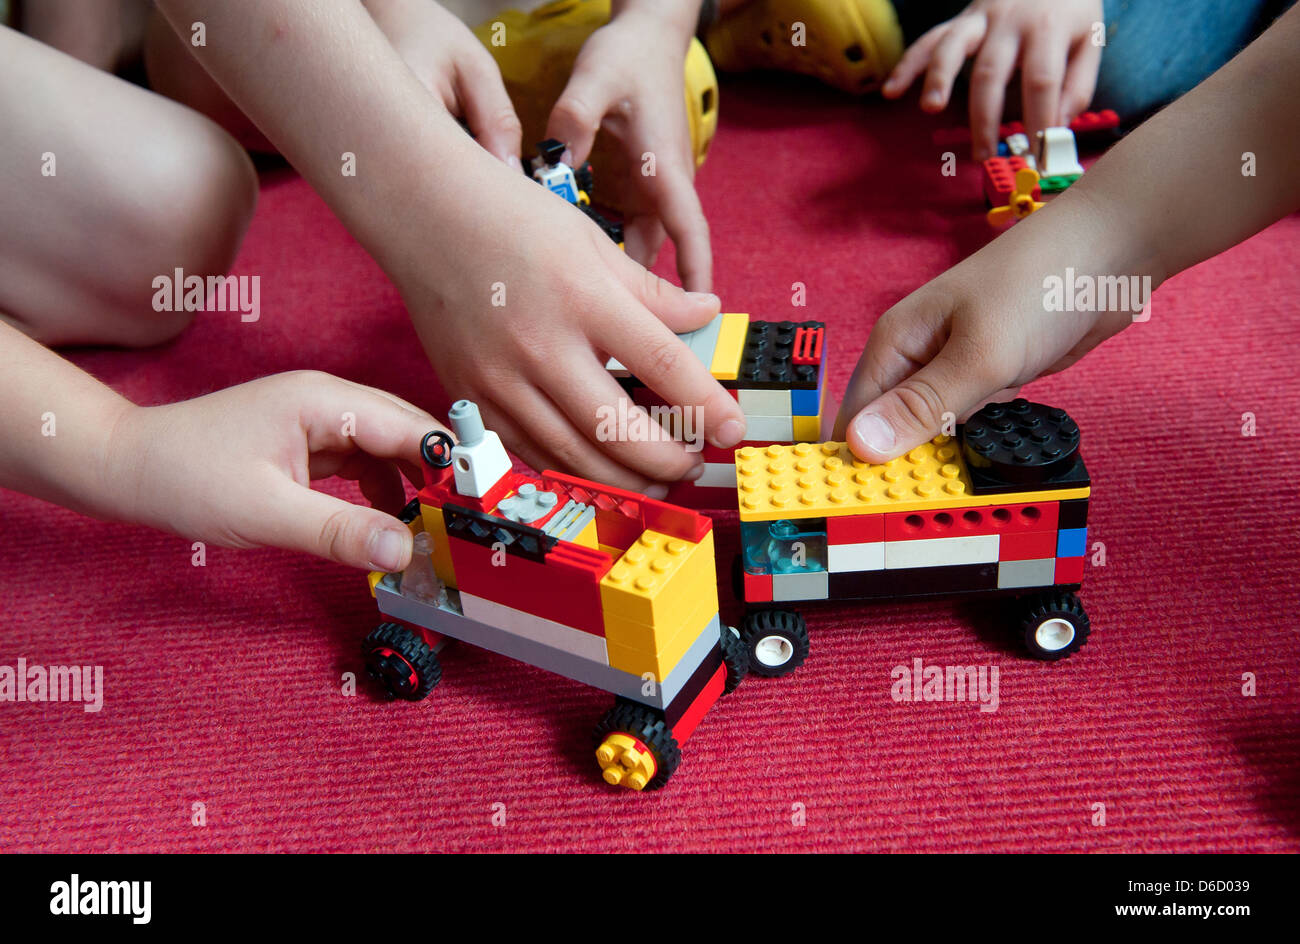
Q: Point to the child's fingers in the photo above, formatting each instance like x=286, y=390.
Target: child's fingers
x=580, y=109
x=1080, y=79
x=300, y=519
x=668, y=367
x=340, y=416
x=992, y=70
x=486, y=106
x=949, y=56
x=913, y=63
x=1042, y=72
x=683, y=217
x=680, y=310
x=643, y=236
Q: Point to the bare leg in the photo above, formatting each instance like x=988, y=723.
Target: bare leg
x=107, y=187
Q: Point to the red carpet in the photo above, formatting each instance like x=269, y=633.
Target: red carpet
x=223, y=683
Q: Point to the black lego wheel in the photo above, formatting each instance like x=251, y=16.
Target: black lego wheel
x=646, y=726
x=776, y=641
x=401, y=662
x=735, y=657
x=1053, y=625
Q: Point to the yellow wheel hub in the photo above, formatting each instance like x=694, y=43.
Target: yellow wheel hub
x=625, y=761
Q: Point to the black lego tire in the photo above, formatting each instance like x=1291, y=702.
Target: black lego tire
x=774, y=659
x=648, y=727
x=1053, y=625
x=401, y=661
x=735, y=657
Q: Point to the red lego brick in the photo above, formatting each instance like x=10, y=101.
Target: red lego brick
x=1069, y=570
x=1000, y=179
x=647, y=513
x=954, y=522
x=1089, y=121
x=855, y=529
x=566, y=588
x=808, y=345
x=1028, y=545
x=443, y=492
x=758, y=588
x=700, y=707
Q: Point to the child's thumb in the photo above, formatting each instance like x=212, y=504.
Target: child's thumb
x=917, y=408
x=330, y=527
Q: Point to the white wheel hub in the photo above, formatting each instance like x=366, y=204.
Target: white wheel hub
x=773, y=651
x=1053, y=635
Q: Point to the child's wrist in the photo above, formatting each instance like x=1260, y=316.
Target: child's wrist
x=677, y=19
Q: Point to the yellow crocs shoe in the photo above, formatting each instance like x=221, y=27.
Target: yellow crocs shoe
x=535, y=52
x=850, y=44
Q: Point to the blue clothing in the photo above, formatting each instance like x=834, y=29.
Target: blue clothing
x=1156, y=50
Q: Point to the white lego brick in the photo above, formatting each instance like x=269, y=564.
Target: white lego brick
x=1018, y=146
x=769, y=428
x=1057, y=154
x=942, y=552
x=616, y=369
x=841, y=558
x=1030, y=573
x=549, y=633
x=717, y=475
x=479, y=466
x=765, y=402
x=813, y=586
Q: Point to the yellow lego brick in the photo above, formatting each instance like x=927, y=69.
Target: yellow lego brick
x=807, y=428
x=729, y=350
x=647, y=584
x=659, y=636
x=659, y=664
x=374, y=577
x=814, y=480
x=437, y=528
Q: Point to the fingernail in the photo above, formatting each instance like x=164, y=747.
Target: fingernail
x=657, y=492
x=705, y=298
x=387, y=548
x=934, y=98
x=567, y=157
x=512, y=161
x=728, y=434
x=694, y=472
x=874, y=432
x=891, y=83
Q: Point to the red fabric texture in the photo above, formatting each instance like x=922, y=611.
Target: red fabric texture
x=222, y=683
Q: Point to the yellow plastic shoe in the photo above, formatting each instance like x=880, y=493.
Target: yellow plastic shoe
x=535, y=52
x=850, y=44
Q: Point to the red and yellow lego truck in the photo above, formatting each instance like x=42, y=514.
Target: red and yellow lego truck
x=594, y=583
x=1000, y=509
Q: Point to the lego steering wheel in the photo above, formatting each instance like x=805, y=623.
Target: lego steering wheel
x=435, y=447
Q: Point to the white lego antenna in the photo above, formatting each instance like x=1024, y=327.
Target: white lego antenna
x=478, y=460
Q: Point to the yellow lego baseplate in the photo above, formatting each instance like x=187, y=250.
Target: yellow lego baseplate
x=815, y=480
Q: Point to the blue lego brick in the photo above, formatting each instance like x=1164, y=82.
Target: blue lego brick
x=1072, y=542
x=807, y=402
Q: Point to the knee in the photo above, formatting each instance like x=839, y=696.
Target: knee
x=202, y=191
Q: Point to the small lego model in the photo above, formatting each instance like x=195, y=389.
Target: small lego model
x=775, y=371
x=594, y=583
x=1020, y=202
x=1002, y=509
x=1056, y=159
x=549, y=170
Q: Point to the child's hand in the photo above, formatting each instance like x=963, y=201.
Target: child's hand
x=628, y=78
x=453, y=65
x=977, y=332
x=234, y=467
x=523, y=315
x=1052, y=43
